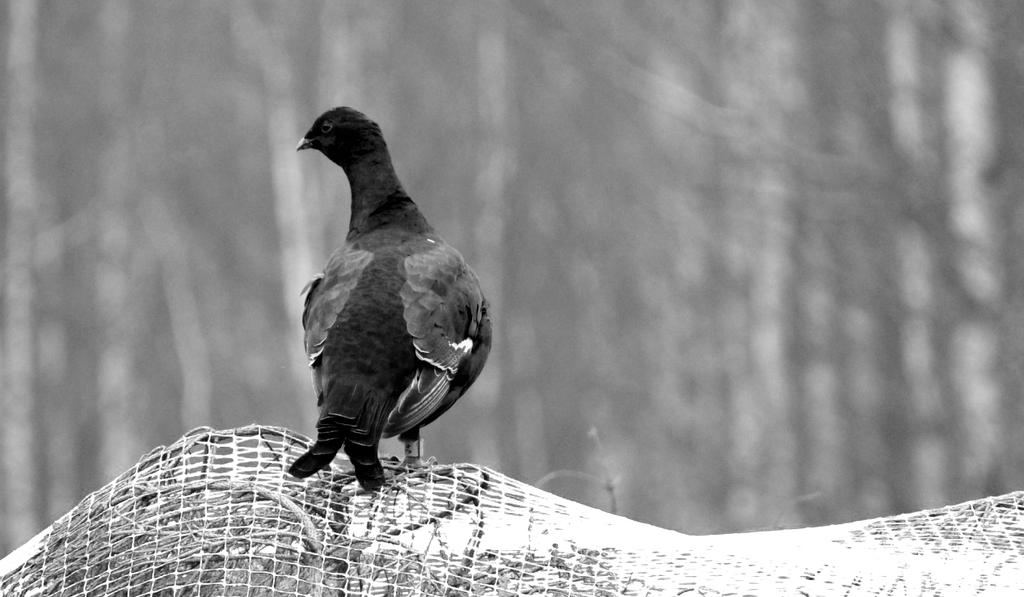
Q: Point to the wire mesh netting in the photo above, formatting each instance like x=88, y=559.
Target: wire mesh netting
x=214, y=514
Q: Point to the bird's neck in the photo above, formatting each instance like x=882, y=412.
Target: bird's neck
x=371, y=177
x=378, y=198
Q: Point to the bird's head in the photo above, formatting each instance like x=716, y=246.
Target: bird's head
x=343, y=134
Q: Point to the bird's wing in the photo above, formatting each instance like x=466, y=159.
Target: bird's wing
x=326, y=296
x=440, y=296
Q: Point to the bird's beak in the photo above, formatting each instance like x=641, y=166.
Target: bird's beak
x=304, y=143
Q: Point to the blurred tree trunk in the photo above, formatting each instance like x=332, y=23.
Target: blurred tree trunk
x=816, y=50
x=888, y=306
x=1006, y=176
x=799, y=350
x=55, y=459
x=895, y=416
x=116, y=386
x=495, y=168
x=264, y=45
x=854, y=430
x=827, y=71
x=930, y=249
x=972, y=278
x=171, y=243
x=515, y=326
x=717, y=429
x=20, y=444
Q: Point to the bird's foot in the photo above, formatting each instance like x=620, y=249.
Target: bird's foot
x=371, y=486
x=370, y=475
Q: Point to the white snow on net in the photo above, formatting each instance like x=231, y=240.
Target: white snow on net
x=214, y=514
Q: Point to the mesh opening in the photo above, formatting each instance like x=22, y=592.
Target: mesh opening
x=215, y=514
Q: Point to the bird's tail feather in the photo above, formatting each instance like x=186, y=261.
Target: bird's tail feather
x=330, y=436
x=309, y=463
x=353, y=417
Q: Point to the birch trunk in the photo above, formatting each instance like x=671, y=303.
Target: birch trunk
x=19, y=470
x=495, y=168
x=888, y=304
x=119, y=445
x=283, y=131
x=968, y=121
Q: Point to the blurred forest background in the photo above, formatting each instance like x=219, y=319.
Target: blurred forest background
x=753, y=264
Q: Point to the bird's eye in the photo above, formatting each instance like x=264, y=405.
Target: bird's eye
x=326, y=127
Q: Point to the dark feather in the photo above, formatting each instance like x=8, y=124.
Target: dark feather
x=440, y=296
x=327, y=295
x=396, y=327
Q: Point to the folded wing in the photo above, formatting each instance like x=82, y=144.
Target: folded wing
x=443, y=306
x=326, y=296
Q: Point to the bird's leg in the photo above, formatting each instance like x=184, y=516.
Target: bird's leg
x=369, y=471
x=413, y=448
x=412, y=452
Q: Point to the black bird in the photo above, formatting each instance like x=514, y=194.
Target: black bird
x=396, y=327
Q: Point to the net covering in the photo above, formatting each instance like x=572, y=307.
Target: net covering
x=215, y=514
